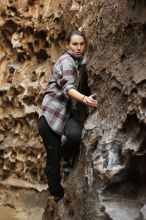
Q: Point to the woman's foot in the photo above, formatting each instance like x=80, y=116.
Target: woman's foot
x=58, y=200
x=67, y=166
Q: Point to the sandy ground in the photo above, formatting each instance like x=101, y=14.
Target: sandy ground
x=22, y=204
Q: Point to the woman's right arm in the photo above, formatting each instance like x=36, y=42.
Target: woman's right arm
x=88, y=100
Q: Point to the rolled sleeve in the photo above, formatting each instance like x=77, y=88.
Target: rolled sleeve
x=66, y=89
x=69, y=79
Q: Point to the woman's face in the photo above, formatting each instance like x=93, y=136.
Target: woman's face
x=76, y=45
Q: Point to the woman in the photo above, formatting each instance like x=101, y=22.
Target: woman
x=59, y=113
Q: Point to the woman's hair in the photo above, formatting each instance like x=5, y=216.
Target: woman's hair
x=74, y=32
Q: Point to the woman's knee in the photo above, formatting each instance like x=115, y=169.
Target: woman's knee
x=74, y=135
x=73, y=130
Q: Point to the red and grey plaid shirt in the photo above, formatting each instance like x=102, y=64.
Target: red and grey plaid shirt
x=55, y=105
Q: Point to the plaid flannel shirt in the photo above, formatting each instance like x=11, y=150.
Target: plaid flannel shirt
x=56, y=103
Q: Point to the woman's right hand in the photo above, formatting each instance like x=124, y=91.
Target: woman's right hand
x=90, y=100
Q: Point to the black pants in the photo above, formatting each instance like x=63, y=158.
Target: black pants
x=54, y=150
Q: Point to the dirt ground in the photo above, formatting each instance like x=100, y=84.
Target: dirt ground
x=21, y=204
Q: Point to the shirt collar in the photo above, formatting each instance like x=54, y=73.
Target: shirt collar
x=78, y=61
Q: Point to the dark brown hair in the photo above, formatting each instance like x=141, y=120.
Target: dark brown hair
x=74, y=32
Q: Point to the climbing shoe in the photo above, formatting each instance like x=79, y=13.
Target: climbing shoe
x=67, y=166
x=58, y=200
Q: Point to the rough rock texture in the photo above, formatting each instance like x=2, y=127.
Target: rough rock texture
x=108, y=181
x=29, y=33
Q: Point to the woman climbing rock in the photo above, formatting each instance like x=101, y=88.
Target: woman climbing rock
x=59, y=112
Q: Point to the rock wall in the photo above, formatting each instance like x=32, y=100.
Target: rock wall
x=31, y=40
x=109, y=179
x=109, y=176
